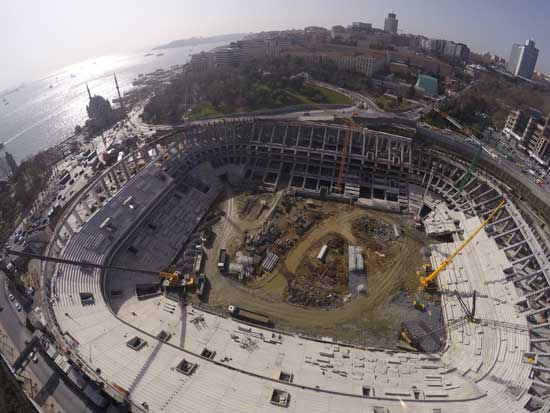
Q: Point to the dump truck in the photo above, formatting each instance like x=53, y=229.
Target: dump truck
x=249, y=316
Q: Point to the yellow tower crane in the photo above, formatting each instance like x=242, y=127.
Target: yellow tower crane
x=429, y=279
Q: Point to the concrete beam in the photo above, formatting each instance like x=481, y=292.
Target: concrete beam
x=526, y=258
x=525, y=276
x=76, y=215
x=502, y=234
x=531, y=294
x=483, y=194
x=517, y=244
x=498, y=221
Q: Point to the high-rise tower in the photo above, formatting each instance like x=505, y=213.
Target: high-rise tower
x=391, y=22
x=523, y=59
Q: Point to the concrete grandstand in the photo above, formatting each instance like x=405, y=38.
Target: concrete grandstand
x=149, y=351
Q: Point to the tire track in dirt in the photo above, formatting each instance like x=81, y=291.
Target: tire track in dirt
x=356, y=316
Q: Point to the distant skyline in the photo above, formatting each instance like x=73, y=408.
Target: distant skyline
x=39, y=37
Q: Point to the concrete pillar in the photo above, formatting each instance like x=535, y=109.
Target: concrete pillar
x=144, y=155
x=76, y=215
x=125, y=170
x=60, y=241
x=68, y=227
x=115, y=178
x=105, y=186
x=86, y=207
x=95, y=196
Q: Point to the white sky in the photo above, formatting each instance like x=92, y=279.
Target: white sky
x=39, y=36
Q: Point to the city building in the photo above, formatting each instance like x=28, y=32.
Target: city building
x=314, y=35
x=538, y=146
x=425, y=64
x=523, y=59
x=517, y=122
x=436, y=46
x=368, y=65
x=276, y=46
x=252, y=49
x=390, y=23
x=376, y=40
x=227, y=56
x=532, y=132
x=427, y=85
x=361, y=27
x=354, y=59
x=456, y=51
x=202, y=62
x=340, y=33
x=447, y=48
x=399, y=68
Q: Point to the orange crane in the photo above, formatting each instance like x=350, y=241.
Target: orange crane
x=347, y=137
x=427, y=281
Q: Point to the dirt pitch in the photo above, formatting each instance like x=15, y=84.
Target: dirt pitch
x=373, y=319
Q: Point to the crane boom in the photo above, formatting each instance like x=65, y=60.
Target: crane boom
x=425, y=281
x=173, y=277
x=344, y=155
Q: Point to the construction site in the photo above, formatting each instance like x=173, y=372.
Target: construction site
x=259, y=264
x=317, y=266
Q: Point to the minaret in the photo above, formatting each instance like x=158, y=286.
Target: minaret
x=118, y=91
x=89, y=93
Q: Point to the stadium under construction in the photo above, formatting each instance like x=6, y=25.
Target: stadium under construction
x=145, y=348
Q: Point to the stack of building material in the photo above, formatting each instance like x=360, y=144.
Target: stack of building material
x=270, y=262
x=356, y=263
x=357, y=271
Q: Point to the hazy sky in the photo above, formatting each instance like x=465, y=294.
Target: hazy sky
x=39, y=36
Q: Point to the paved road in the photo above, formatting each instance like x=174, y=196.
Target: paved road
x=13, y=322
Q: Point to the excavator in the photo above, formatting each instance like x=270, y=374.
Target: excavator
x=428, y=281
x=172, y=278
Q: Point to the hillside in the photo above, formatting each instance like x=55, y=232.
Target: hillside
x=194, y=41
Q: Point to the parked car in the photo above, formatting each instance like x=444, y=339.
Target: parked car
x=11, y=297
x=17, y=307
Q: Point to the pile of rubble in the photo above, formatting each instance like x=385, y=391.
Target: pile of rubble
x=375, y=229
x=302, y=292
x=321, y=282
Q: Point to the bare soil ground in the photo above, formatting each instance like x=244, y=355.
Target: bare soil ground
x=373, y=319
